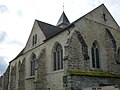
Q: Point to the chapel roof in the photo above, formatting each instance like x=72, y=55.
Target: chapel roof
x=63, y=21
x=48, y=29
x=51, y=30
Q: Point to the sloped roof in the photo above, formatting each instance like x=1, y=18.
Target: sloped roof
x=63, y=20
x=48, y=29
x=21, y=53
x=51, y=30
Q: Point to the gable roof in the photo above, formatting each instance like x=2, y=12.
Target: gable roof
x=51, y=30
x=102, y=5
x=72, y=24
x=48, y=29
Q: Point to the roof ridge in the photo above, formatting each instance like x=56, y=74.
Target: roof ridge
x=46, y=23
x=88, y=13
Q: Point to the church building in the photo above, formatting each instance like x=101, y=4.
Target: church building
x=82, y=55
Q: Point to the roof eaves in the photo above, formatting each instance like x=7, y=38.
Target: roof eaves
x=21, y=53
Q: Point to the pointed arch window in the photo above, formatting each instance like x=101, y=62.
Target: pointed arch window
x=95, y=55
x=32, y=64
x=58, y=57
x=118, y=54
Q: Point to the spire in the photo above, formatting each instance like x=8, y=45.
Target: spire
x=63, y=21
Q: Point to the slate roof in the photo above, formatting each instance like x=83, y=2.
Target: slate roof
x=48, y=29
x=63, y=20
x=51, y=30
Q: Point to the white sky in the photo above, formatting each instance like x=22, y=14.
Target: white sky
x=17, y=18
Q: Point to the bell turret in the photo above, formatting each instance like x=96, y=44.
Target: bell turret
x=63, y=21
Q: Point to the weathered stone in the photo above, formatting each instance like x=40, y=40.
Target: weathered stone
x=76, y=41
x=6, y=79
x=13, y=78
x=21, y=81
x=41, y=80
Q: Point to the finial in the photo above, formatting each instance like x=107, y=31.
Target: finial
x=63, y=6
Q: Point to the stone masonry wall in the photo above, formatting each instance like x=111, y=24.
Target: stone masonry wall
x=12, y=85
x=78, y=56
x=21, y=81
x=77, y=51
x=79, y=82
x=6, y=79
x=41, y=82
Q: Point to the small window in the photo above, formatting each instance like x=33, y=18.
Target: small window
x=58, y=57
x=95, y=55
x=33, y=59
x=34, y=40
x=19, y=66
x=104, y=17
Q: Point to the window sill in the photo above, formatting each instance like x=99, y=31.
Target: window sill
x=30, y=77
x=57, y=71
x=96, y=69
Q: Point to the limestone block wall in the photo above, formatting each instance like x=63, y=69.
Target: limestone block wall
x=21, y=80
x=108, y=42
x=6, y=79
x=78, y=55
x=113, y=87
x=41, y=73
x=80, y=82
x=55, y=78
x=77, y=51
x=12, y=85
x=40, y=37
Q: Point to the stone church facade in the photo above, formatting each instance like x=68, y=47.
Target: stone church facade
x=68, y=56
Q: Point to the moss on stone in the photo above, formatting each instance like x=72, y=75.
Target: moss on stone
x=94, y=73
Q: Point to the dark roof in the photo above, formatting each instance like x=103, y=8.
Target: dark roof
x=63, y=20
x=51, y=30
x=48, y=29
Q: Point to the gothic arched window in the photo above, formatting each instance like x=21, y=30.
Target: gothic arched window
x=95, y=55
x=32, y=64
x=58, y=57
x=118, y=54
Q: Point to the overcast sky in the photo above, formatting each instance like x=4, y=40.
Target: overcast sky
x=17, y=18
